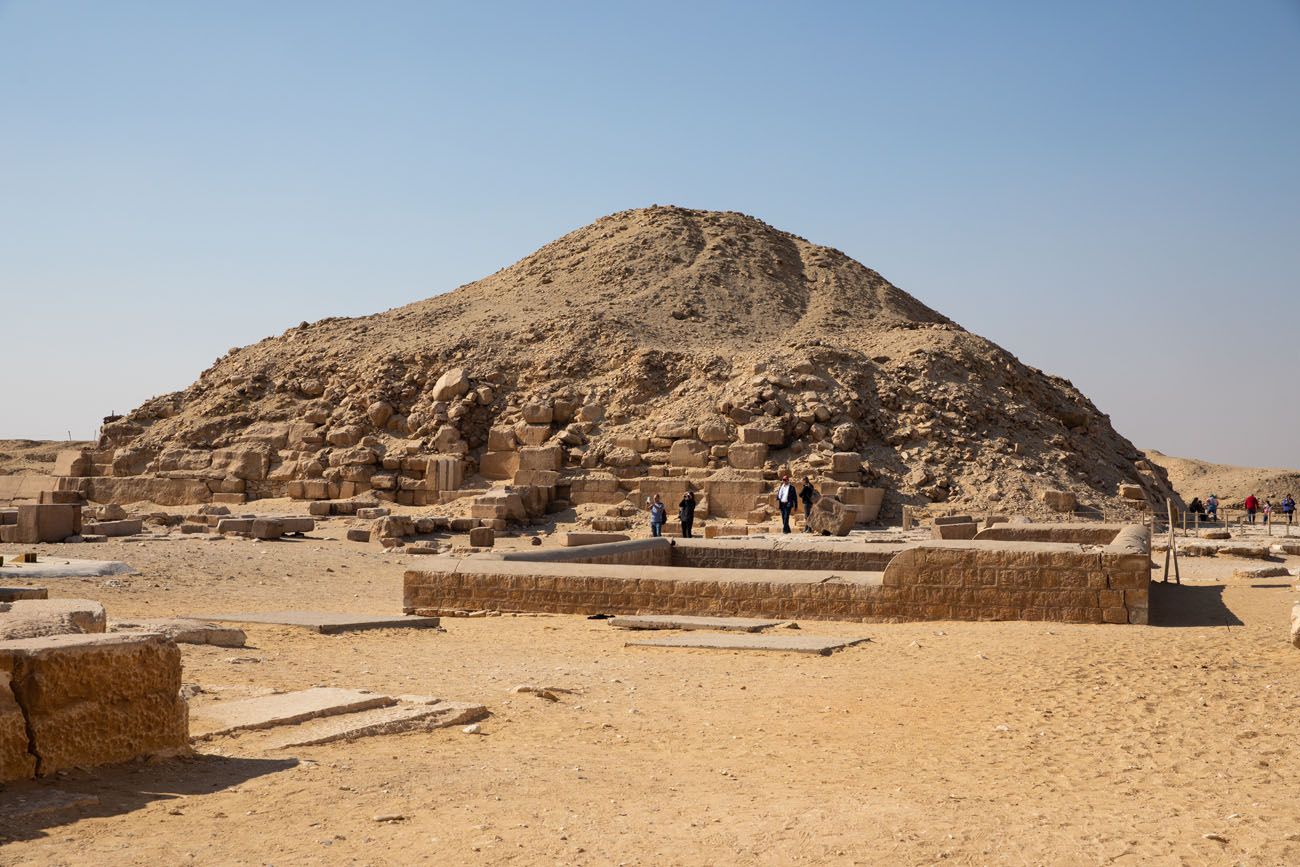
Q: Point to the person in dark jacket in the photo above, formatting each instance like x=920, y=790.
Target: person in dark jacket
x=808, y=496
x=786, y=498
x=686, y=513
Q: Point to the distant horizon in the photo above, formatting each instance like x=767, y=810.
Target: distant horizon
x=1107, y=192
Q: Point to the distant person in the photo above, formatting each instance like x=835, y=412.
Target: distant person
x=686, y=513
x=1288, y=508
x=1196, y=509
x=1266, y=510
x=1252, y=506
x=786, y=497
x=658, y=515
x=1212, y=507
x=807, y=495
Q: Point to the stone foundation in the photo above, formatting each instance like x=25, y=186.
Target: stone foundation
x=938, y=580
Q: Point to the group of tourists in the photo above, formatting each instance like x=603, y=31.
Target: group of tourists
x=1209, y=510
x=787, y=498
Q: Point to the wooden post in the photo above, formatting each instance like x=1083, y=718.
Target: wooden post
x=1173, y=547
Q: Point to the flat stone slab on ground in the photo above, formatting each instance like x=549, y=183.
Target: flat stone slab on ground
x=327, y=622
x=820, y=644
x=62, y=567
x=380, y=721
x=183, y=630
x=672, y=621
x=222, y=717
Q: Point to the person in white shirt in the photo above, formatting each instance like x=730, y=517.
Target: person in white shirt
x=786, y=498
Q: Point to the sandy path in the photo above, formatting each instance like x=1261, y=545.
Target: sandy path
x=1019, y=743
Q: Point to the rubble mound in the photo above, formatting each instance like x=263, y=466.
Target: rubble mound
x=658, y=341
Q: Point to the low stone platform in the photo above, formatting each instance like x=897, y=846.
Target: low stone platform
x=669, y=621
x=183, y=630
x=818, y=644
x=325, y=622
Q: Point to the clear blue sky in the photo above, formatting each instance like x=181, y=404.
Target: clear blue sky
x=1111, y=190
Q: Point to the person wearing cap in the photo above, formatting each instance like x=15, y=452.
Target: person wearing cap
x=786, y=497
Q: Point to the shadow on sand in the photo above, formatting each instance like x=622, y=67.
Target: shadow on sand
x=1190, y=605
x=29, y=809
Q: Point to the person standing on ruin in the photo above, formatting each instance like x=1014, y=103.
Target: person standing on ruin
x=1212, y=507
x=786, y=497
x=686, y=513
x=1288, y=508
x=1267, y=509
x=807, y=495
x=1252, y=506
x=658, y=515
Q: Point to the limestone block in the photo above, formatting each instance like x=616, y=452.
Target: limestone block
x=98, y=699
x=499, y=465
x=1131, y=492
x=73, y=462
x=634, y=443
x=33, y=618
x=715, y=431
x=829, y=516
x=127, y=527
x=16, y=762
x=538, y=413
x=502, y=439
x=751, y=434
x=592, y=412
x=846, y=462
x=1215, y=534
x=675, y=430
x=541, y=458
x=732, y=498
x=575, y=540
x=240, y=463
x=60, y=498
x=358, y=534
x=713, y=531
x=955, y=530
x=533, y=434
x=747, y=456
x=688, y=453
x=451, y=384
x=47, y=522
x=267, y=528
x=184, y=630
x=482, y=537
x=501, y=504
x=1059, y=501
x=621, y=457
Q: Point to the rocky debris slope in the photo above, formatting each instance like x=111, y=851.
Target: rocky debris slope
x=652, y=342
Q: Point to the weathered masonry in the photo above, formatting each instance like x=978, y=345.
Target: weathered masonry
x=936, y=580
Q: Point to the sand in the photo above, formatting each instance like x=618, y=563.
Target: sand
x=972, y=743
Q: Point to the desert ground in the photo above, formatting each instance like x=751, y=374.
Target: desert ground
x=969, y=743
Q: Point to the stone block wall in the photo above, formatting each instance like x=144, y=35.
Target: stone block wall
x=782, y=556
x=940, y=580
x=1080, y=533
